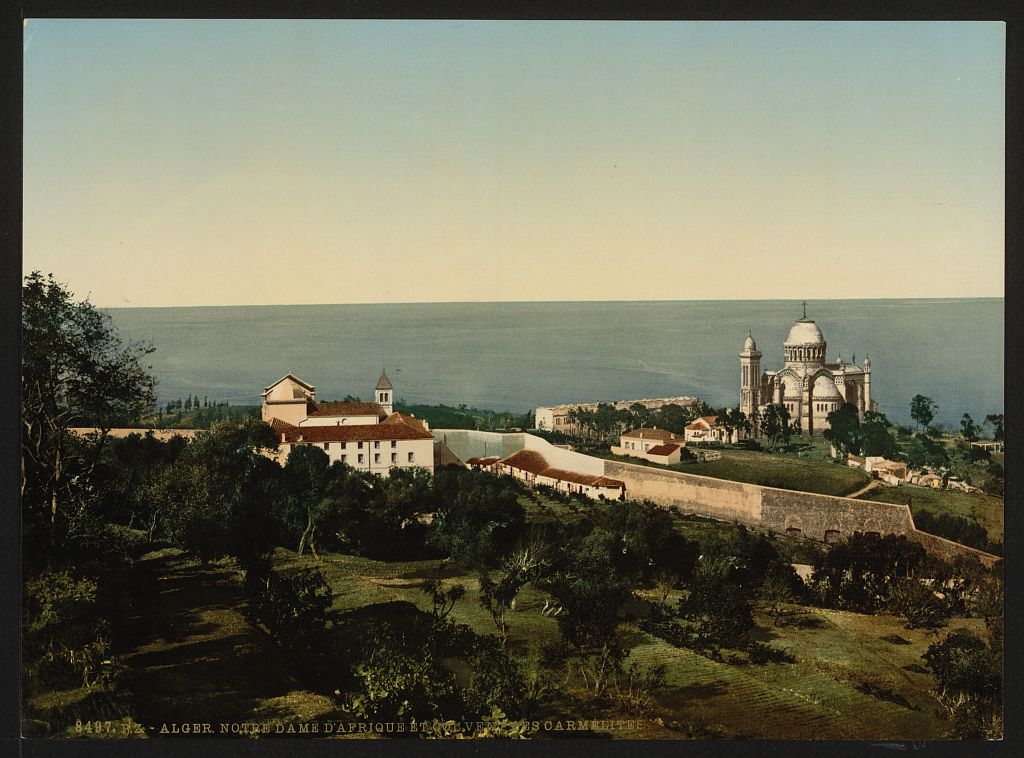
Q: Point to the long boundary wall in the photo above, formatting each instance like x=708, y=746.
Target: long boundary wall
x=820, y=517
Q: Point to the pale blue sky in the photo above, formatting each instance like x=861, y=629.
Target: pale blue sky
x=244, y=162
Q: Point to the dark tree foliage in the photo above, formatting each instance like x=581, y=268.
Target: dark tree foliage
x=775, y=424
x=479, y=518
x=859, y=574
x=995, y=420
x=306, y=479
x=970, y=684
x=968, y=429
x=126, y=474
x=754, y=559
x=292, y=608
x=717, y=606
x=922, y=410
x=925, y=451
x=590, y=592
x=76, y=371
x=218, y=496
x=875, y=434
x=844, y=429
x=955, y=528
x=648, y=544
x=917, y=603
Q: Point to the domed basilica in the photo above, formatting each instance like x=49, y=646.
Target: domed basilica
x=806, y=385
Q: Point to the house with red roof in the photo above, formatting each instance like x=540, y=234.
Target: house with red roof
x=366, y=436
x=531, y=467
x=639, y=442
x=705, y=429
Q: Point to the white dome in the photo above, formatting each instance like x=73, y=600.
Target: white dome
x=805, y=333
x=825, y=389
x=749, y=344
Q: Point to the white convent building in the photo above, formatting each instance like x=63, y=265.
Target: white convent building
x=366, y=436
x=806, y=385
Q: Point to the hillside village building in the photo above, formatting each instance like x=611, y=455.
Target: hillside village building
x=806, y=385
x=531, y=467
x=707, y=429
x=366, y=436
x=557, y=418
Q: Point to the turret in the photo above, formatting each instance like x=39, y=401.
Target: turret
x=750, y=376
x=383, y=393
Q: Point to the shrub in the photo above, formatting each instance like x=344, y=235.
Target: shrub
x=718, y=609
x=66, y=644
x=917, y=603
x=292, y=608
x=970, y=685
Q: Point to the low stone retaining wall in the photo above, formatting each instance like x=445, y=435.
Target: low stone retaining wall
x=947, y=549
x=702, y=495
x=820, y=517
x=828, y=518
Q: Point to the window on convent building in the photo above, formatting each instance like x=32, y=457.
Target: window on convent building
x=394, y=443
x=327, y=446
x=360, y=446
x=343, y=458
x=376, y=444
x=360, y=457
x=376, y=457
x=412, y=457
x=394, y=457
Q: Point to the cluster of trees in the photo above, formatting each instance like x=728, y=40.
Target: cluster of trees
x=606, y=421
x=465, y=417
x=199, y=416
x=851, y=434
x=715, y=614
x=873, y=435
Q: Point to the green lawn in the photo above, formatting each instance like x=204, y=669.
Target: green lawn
x=986, y=510
x=786, y=471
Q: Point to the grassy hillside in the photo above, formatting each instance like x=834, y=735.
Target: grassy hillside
x=842, y=659
x=784, y=470
x=976, y=506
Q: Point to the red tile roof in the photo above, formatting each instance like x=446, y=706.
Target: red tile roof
x=711, y=421
x=651, y=434
x=401, y=418
x=535, y=463
x=345, y=409
x=663, y=450
x=527, y=460
x=354, y=432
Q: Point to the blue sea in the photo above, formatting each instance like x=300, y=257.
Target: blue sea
x=516, y=356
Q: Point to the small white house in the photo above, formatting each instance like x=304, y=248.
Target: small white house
x=639, y=442
x=705, y=429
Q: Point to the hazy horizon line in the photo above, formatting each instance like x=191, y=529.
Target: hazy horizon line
x=542, y=302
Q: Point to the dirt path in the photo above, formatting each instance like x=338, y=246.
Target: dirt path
x=872, y=485
x=192, y=657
